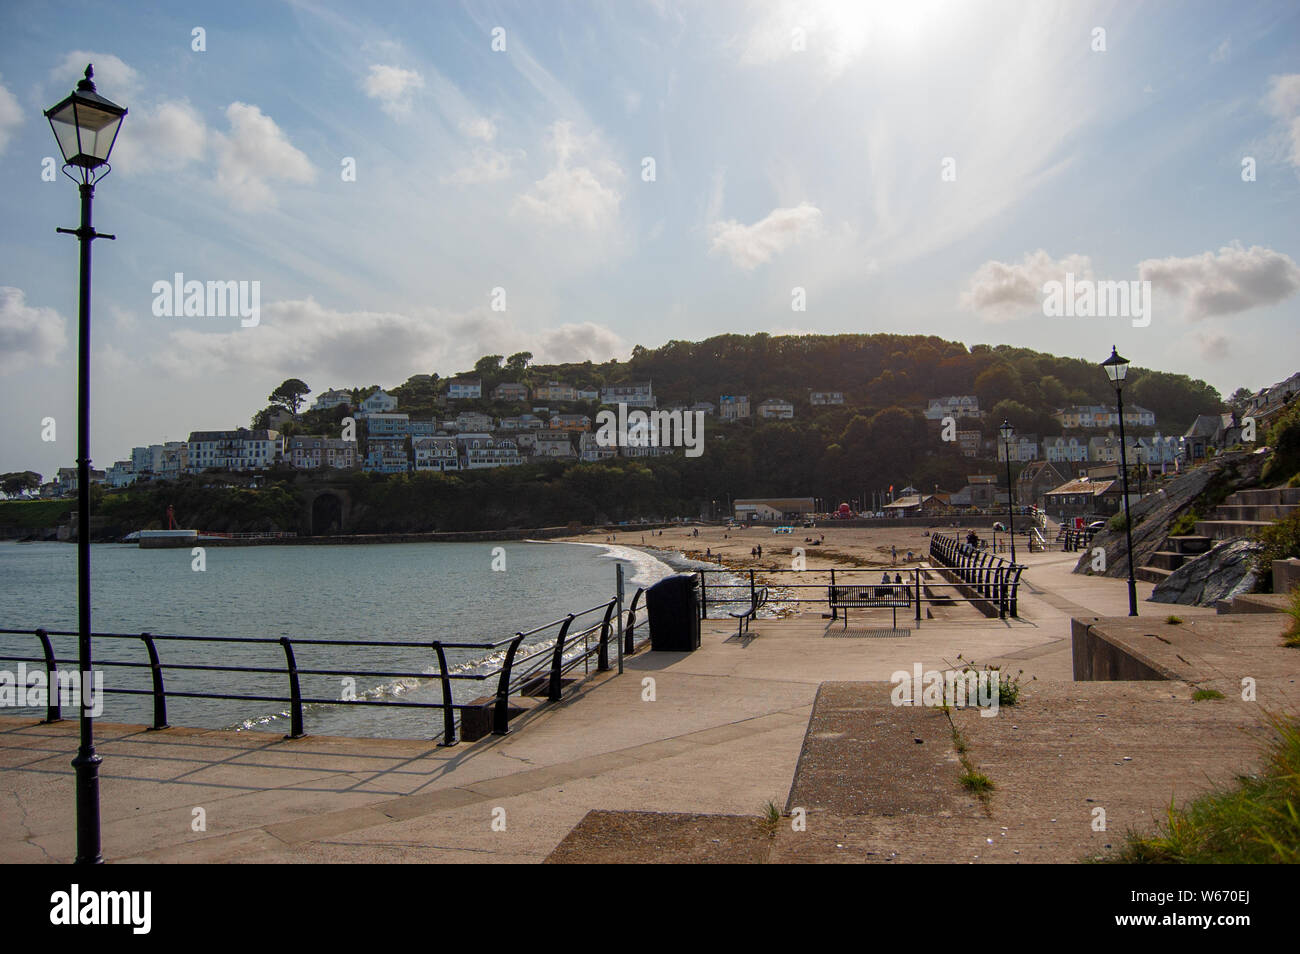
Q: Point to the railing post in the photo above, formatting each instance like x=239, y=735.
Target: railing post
x=704, y=596
x=53, y=707
x=917, y=574
x=448, y=712
x=1015, y=572
x=1001, y=585
x=295, y=692
x=830, y=597
x=501, y=714
x=752, y=595
x=629, y=631
x=159, y=694
x=553, y=689
x=602, y=654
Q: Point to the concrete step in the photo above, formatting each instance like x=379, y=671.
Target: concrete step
x=1230, y=529
x=1190, y=544
x=1167, y=559
x=1151, y=574
x=1276, y=495
x=1252, y=511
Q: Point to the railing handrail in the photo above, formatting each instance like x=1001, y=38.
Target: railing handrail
x=509, y=677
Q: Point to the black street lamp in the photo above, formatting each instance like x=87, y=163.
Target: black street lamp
x=1007, y=432
x=86, y=126
x=1117, y=369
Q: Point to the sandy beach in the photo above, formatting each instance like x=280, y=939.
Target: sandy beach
x=825, y=547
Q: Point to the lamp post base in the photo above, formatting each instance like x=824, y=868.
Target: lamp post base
x=87, y=765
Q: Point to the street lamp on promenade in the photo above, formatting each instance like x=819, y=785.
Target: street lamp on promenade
x=85, y=126
x=1117, y=369
x=1007, y=432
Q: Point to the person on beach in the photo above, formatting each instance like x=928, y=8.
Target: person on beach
x=893, y=554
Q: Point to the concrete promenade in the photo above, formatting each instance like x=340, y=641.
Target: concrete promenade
x=718, y=732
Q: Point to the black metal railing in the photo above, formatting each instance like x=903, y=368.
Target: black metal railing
x=990, y=577
x=542, y=654
x=994, y=582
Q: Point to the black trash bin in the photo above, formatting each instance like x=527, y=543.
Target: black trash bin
x=673, y=608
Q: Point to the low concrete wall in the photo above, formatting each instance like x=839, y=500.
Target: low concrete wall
x=1286, y=575
x=1098, y=660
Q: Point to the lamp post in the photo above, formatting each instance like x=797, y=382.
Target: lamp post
x=86, y=126
x=1117, y=369
x=1007, y=432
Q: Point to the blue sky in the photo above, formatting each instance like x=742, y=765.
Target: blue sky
x=795, y=145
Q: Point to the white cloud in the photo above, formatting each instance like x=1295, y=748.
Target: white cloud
x=113, y=79
x=485, y=165
x=165, y=137
x=255, y=153
x=578, y=341
x=1283, y=101
x=479, y=127
x=1214, y=347
x=1224, y=49
x=27, y=335
x=832, y=33
x=1001, y=290
x=306, y=339
x=749, y=246
x=393, y=87
x=581, y=189
x=11, y=116
x=1235, y=280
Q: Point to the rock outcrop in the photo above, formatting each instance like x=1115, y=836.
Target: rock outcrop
x=1225, y=571
x=1153, y=514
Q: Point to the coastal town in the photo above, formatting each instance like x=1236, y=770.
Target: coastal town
x=1071, y=473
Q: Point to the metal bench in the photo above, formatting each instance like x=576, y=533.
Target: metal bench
x=743, y=618
x=869, y=596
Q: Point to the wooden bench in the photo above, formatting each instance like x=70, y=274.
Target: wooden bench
x=869, y=596
x=743, y=618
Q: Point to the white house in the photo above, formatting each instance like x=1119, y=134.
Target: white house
x=120, y=474
x=380, y=402
x=436, y=453
x=483, y=450
x=958, y=406
x=473, y=421
x=638, y=394
x=733, y=407
x=462, y=389
x=335, y=397
x=553, y=443
x=825, y=397
x=1024, y=448
x=1065, y=450
x=777, y=408
x=590, y=449
x=237, y=450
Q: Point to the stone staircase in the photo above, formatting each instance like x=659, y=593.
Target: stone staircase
x=1178, y=550
x=1243, y=514
x=1247, y=512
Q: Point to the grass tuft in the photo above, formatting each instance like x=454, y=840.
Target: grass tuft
x=1200, y=695
x=1257, y=821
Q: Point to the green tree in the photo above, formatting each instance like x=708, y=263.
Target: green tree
x=290, y=395
x=19, y=482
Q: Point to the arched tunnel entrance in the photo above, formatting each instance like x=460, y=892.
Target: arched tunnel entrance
x=326, y=515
